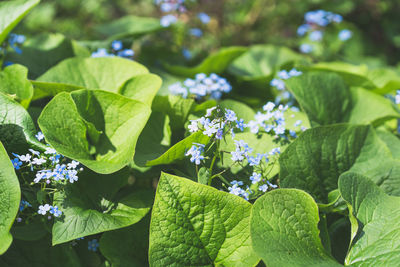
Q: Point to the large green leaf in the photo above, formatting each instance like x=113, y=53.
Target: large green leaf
x=196, y=225
x=93, y=205
x=128, y=246
x=284, y=230
x=10, y=195
x=129, y=26
x=177, y=151
x=109, y=73
x=17, y=130
x=14, y=82
x=154, y=140
x=381, y=81
x=97, y=128
x=316, y=159
x=45, y=50
x=376, y=231
x=262, y=61
x=215, y=63
x=326, y=99
x=11, y=13
x=142, y=88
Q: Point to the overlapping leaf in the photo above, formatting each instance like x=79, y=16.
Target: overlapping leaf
x=10, y=196
x=98, y=128
x=196, y=225
x=14, y=83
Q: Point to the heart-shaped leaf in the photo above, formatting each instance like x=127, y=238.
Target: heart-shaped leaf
x=196, y=225
x=10, y=195
x=98, y=128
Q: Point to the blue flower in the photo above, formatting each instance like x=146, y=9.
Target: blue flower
x=24, y=204
x=230, y=115
x=43, y=209
x=263, y=188
x=316, y=36
x=240, y=124
x=55, y=211
x=101, y=52
x=306, y=48
x=116, y=45
x=204, y=18
x=186, y=54
x=196, y=153
x=127, y=53
x=93, y=245
x=39, y=136
x=279, y=84
x=303, y=29
x=16, y=163
x=255, y=178
x=168, y=20
x=345, y=35
x=196, y=32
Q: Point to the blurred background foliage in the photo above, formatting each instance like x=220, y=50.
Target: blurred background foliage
x=233, y=22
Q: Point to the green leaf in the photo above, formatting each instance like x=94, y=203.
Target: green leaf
x=262, y=61
x=142, y=88
x=316, y=159
x=17, y=131
x=391, y=141
x=176, y=107
x=326, y=99
x=129, y=26
x=203, y=176
x=14, y=83
x=197, y=225
x=97, y=128
x=11, y=13
x=284, y=230
x=128, y=246
x=93, y=205
x=215, y=63
x=45, y=50
x=376, y=230
x=154, y=140
x=10, y=196
x=177, y=151
x=109, y=73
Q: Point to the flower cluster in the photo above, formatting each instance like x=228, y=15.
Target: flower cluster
x=49, y=169
x=43, y=209
x=117, y=49
x=170, y=9
x=196, y=153
x=202, y=87
x=279, y=84
x=260, y=163
x=314, y=26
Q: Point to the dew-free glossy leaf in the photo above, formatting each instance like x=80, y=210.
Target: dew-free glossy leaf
x=17, y=130
x=14, y=83
x=142, y=88
x=262, y=61
x=108, y=74
x=326, y=99
x=215, y=63
x=127, y=246
x=11, y=13
x=92, y=205
x=284, y=230
x=376, y=231
x=177, y=151
x=316, y=159
x=97, y=128
x=196, y=225
x=129, y=26
x=10, y=195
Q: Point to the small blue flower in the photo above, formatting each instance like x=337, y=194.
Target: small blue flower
x=16, y=163
x=204, y=18
x=93, y=245
x=196, y=153
x=39, y=136
x=116, y=45
x=316, y=36
x=168, y=20
x=345, y=35
x=186, y=54
x=55, y=211
x=196, y=32
x=101, y=52
x=263, y=188
x=43, y=209
x=230, y=115
x=255, y=178
x=240, y=124
x=127, y=53
x=306, y=48
x=303, y=29
x=279, y=84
